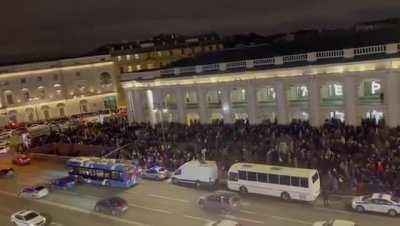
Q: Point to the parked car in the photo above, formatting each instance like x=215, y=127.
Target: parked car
x=156, y=173
x=334, y=222
x=39, y=191
x=224, y=223
x=377, y=202
x=197, y=173
x=7, y=172
x=115, y=206
x=21, y=160
x=63, y=183
x=220, y=201
x=28, y=218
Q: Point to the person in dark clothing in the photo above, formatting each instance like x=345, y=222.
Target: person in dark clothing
x=325, y=197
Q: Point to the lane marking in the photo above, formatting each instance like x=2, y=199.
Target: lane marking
x=248, y=212
x=50, y=203
x=243, y=219
x=244, y=203
x=331, y=210
x=199, y=218
x=56, y=224
x=150, y=209
x=168, y=198
x=297, y=221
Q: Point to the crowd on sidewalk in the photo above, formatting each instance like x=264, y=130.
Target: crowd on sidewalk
x=349, y=158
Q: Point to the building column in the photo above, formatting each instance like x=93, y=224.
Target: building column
x=252, y=103
x=314, y=102
x=201, y=93
x=180, y=104
x=136, y=104
x=226, y=104
x=391, y=99
x=350, y=100
x=281, y=102
x=155, y=105
x=129, y=105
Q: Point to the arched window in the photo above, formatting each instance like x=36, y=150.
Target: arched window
x=83, y=106
x=25, y=94
x=9, y=96
x=105, y=79
x=46, y=112
x=61, y=109
x=29, y=114
x=41, y=92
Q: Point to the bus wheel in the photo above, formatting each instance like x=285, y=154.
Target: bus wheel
x=243, y=190
x=285, y=196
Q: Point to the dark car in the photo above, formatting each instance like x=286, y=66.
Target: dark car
x=220, y=201
x=64, y=183
x=115, y=206
x=6, y=172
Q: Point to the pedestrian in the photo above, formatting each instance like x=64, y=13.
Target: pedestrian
x=325, y=197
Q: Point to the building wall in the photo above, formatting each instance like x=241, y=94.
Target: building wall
x=347, y=91
x=68, y=84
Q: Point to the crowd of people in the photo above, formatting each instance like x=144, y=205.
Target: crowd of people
x=349, y=158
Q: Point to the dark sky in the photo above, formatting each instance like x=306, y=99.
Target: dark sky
x=44, y=28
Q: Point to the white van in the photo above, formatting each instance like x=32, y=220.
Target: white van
x=197, y=173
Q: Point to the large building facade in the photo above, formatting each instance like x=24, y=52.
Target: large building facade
x=55, y=89
x=347, y=84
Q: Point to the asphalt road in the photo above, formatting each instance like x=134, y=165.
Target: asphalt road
x=158, y=204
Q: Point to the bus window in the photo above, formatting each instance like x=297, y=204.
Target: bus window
x=233, y=176
x=295, y=181
x=115, y=175
x=284, y=180
x=100, y=173
x=315, y=177
x=251, y=176
x=273, y=179
x=262, y=177
x=242, y=175
x=304, y=182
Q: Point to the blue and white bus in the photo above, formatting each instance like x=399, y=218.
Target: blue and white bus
x=106, y=172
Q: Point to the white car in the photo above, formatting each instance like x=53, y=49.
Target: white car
x=4, y=147
x=34, y=192
x=223, y=223
x=334, y=223
x=28, y=218
x=377, y=202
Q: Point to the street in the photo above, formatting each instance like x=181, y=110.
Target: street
x=157, y=204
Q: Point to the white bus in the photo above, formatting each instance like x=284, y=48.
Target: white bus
x=284, y=182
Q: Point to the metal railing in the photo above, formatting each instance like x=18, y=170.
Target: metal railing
x=282, y=60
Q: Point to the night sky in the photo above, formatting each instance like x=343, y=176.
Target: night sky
x=51, y=28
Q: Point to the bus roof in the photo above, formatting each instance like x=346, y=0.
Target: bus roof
x=272, y=169
x=99, y=163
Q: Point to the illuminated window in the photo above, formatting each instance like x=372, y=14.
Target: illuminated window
x=130, y=68
x=41, y=92
x=119, y=58
x=150, y=66
x=138, y=67
x=128, y=57
x=159, y=53
x=136, y=56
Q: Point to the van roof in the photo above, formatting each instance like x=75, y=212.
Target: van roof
x=280, y=170
x=201, y=163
